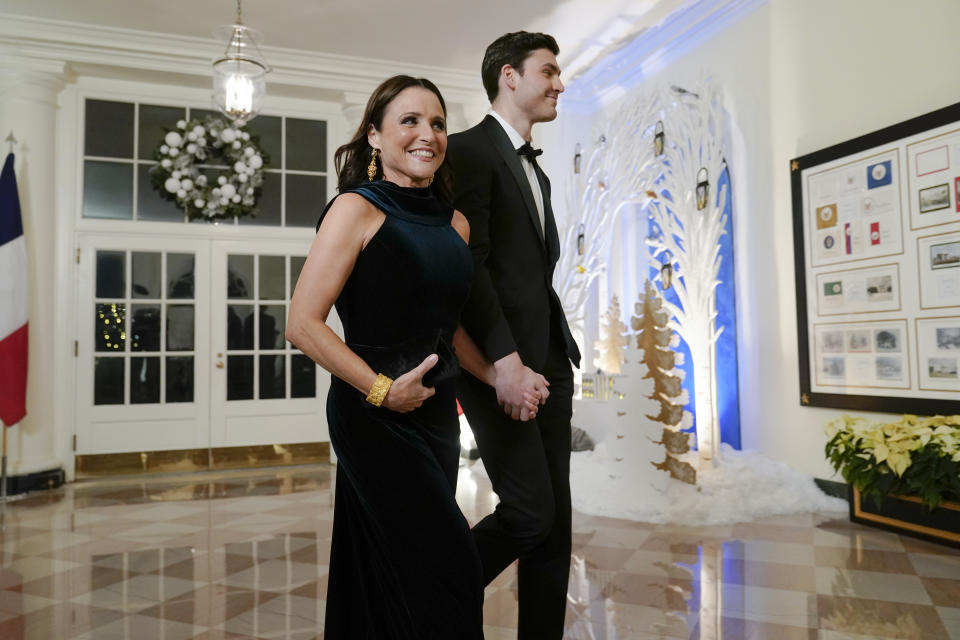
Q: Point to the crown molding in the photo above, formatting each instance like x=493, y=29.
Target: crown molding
x=627, y=63
x=107, y=48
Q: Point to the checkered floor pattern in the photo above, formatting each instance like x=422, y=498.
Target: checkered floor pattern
x=244, y=555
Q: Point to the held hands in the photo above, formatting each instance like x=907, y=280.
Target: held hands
x=520, y=390
x=407, y=392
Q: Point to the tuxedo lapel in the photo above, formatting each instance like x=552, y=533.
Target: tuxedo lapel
x=501, y=142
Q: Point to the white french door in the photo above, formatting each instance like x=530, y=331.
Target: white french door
x=180, y=345
x=263, y=390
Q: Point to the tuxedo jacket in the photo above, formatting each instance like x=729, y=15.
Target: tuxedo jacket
x=512, y=305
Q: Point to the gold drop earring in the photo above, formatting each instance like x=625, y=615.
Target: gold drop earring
x=372, y=167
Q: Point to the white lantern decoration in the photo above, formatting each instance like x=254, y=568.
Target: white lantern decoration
x=239, y=76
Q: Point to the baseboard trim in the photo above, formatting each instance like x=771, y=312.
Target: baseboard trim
x=49, y=479
x=186, y=460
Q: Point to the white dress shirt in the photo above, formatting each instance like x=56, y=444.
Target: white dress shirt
x=517, y=140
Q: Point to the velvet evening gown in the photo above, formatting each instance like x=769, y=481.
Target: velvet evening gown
x=403, y=564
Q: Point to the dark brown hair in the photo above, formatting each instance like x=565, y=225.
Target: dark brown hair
x=511, y=49
x=351, y=159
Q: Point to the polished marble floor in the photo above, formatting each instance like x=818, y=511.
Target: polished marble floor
x=244, y=555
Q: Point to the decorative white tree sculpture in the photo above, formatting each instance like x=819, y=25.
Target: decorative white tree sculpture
x=618, y=172
x=664, y=150
x=689, y=221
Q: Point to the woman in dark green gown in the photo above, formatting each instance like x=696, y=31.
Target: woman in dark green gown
x=392, y=255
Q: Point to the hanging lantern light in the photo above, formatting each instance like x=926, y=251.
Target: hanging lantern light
x=703, y=188
x=658, y=139
x=576, y=158
x=239, y=76
x=666, y=274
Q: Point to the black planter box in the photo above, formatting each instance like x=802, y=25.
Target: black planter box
x=906, y=515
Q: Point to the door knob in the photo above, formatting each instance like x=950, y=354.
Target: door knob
x=219, y=364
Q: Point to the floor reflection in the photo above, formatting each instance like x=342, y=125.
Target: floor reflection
x=244, y=555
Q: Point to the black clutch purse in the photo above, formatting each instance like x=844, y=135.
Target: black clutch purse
x=396, y=360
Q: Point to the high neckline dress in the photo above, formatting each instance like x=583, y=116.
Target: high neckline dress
x=402, y=562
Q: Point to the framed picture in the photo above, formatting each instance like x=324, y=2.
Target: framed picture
x=934, y=198
x=878, y=294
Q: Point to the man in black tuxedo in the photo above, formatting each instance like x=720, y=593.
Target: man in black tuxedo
x=515, y=318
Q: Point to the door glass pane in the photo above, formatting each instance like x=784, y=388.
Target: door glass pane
x=239, y=377
x=146, y=275
x=268, y=204
x=108, y=380
x=203, y=114
x=150, y=204
x=240, y=277
x=272, y=377
x=306, y=196
x=107, y=190
x=111, y=272
x=267, y=131
x=153, y=121
x=303, y=377
x=180, y=275
x=296, y=265
x=306, y=145
x=180, y=327
x=180, y=379
x=272, y=278
x=272, y=326
x=145, y=327
x=108, y=326
x=240, y=326
x=144, y=380
x=108, y=129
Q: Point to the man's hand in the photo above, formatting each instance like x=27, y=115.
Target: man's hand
x=520, y=389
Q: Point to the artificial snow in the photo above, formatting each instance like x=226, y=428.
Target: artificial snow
x=742, y=486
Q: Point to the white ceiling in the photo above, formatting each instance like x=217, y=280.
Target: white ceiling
x=442, y=33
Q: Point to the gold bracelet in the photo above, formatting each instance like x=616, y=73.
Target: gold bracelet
x=379, y=390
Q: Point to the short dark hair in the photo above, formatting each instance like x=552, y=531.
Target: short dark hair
x=351, y=159
x=511, y=49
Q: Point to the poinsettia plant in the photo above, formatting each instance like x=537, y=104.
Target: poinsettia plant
x=914, y=456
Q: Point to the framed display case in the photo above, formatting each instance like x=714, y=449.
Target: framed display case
x=876, y=224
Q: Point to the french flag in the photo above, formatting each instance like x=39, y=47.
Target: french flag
x=13, y=302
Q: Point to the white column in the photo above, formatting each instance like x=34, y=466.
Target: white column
x=28, y=106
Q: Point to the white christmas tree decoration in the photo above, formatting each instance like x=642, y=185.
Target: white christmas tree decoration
x=613, y=340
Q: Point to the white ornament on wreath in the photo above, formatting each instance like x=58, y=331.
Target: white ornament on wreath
x=214, y=141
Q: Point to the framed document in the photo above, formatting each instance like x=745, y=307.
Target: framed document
x=876, y=224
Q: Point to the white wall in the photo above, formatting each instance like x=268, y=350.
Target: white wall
x=798, y=76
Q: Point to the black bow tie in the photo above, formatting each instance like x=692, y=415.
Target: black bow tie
x=529, y=152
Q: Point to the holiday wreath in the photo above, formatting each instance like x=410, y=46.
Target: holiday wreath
x=196, y=146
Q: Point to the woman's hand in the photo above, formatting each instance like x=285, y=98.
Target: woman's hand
x=407, y=392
